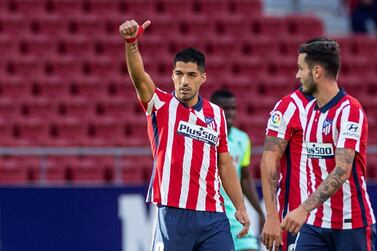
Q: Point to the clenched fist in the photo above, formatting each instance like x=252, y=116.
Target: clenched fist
x=130, y=29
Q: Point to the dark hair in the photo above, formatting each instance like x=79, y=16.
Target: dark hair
x=191, y=55
x=322, y=51
x=223, y=93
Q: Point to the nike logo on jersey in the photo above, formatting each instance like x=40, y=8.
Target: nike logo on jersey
x=319, y=150
x=197, y=132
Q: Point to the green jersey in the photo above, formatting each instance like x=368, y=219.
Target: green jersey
x=240, y=150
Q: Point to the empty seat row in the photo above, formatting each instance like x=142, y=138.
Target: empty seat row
x=131, y=7
x=72, y=170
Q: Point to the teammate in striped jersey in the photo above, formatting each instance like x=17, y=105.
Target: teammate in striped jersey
x=188, y=137
x=338, y=213
x=283, y=160
x=240, y=150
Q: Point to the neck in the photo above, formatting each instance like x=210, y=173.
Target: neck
x=326, y=92
x=189, y=102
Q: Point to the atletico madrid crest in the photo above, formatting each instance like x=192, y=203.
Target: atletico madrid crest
x=211, y=122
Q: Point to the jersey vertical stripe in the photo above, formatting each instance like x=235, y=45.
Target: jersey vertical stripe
x=185, y=143
x=186, y=167
x=169, y=151
x=341, y=123
x=287, y=121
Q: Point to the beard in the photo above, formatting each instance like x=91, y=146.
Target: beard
x=311, y=87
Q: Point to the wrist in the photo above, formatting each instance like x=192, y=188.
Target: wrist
x=306, y=209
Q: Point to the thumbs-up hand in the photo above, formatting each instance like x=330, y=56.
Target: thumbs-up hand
x=130, y=30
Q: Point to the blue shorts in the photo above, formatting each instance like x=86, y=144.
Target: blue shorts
x=187, y=230
x=289, y=241
x=323, y=239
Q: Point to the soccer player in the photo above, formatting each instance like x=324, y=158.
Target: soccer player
x=190, y=150
x=283, y=167
x=338, y=213
x=240, y=150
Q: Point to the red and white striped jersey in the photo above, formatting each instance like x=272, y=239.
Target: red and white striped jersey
x=287, y=121
x=341, y=123
x=185, y=144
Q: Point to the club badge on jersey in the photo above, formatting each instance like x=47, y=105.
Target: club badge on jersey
x=326, y=127
x=211, y=123
x=197, y=132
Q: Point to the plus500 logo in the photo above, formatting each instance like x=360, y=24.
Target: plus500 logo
x=197, y=132
x=320, y=150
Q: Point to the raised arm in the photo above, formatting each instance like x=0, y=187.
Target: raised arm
x=274, y=149
x=333, y=182
x=232, y=187
x=130, y=32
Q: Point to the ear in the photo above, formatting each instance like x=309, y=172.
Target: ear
x=317, y=71
x=204, y=78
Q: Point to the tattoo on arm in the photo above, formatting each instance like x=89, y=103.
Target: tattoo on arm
x=274, y=181
x=274, y=144
x=333, y=182
x=133, y=47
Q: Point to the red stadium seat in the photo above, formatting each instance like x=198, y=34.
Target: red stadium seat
x=11, y=172
x=67, y=67
x=39, y=46
x=269, y=26
x=47, y=25
x=89, y=88
x=27, y=8
x=102, y=7
x=365, y=46
x=14, y=25
x=101, y=67
x=261, y=46
x=9, y=107
x=8, y=46
x=246, y=8
x=76, y=107
x=76, y=46
x=14, y=88
x=67, y=132
x=64, y=8
x=30, y=131
x=108, y=130
x=210, y=8
x=88, y=170
x=308, y=26
x=50, y=87
x=41, y=108
x=25, y=67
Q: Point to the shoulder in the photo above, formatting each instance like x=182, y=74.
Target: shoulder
x=239, y=134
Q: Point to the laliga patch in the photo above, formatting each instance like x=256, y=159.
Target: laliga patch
x=197, y=132
x=275, y=120
x=319, y=150
x=351, y=131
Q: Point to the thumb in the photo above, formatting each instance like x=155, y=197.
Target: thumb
x=146, y=24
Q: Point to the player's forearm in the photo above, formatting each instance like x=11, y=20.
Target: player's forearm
x=248, y=189
x=326, y=189
x=270, y=182
x=334, y=181
x=135, y=64
x=232, y=185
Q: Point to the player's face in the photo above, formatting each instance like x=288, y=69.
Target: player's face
x=229, y=106
x=304, y=74
x=187, y=81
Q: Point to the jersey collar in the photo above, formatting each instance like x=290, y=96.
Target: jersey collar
x=332, y=102
x=197, y=107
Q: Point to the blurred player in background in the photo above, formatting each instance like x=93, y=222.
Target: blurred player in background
x=190, y=150
x=338, y=213
x=283, y=167
x=240, y=150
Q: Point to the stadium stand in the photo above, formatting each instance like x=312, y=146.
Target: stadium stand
x=63, y=81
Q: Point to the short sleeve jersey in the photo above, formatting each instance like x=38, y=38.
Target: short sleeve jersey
x=185, y=144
